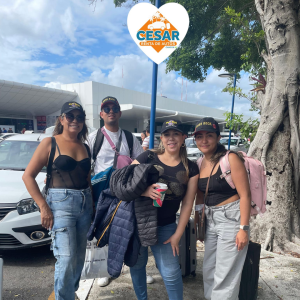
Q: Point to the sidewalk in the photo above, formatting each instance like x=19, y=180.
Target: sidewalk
x=279, y=279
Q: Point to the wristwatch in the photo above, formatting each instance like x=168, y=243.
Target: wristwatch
x=244, y=227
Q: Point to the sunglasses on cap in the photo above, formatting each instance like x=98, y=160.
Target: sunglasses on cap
x=107, y=109
x=79, y=118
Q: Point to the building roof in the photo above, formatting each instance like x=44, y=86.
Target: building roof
x=31, y=100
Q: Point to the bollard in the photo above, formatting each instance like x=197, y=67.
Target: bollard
x=1, y=277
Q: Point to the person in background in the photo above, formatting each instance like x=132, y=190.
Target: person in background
x=146, y=141
x=227, y=213
x=143, y=135
x=0, y=130
x=111, y=114
x=9, y=130
x=4, y=130
x=68, y=208
x=181, y=176
x=23, y=130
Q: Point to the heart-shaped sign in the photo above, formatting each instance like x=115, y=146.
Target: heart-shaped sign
x=158, y=32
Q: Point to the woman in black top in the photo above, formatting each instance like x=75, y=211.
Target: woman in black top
x=68, y=209
x=227, y=213
x=181, y=176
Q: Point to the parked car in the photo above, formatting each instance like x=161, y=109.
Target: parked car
x=236, y=144
x=4, y=136
x=138, y=136
x=193, y=153
x=20, y=219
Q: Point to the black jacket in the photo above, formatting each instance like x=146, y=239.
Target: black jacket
x=121, y=235
x=128, y=184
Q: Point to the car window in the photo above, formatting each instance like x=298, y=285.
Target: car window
x=233, y=142
x=16, y=155
x=190, y=143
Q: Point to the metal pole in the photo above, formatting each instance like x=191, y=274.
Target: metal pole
x=232, y=107
x=153, y=98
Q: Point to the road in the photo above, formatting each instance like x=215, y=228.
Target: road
x=28, y=273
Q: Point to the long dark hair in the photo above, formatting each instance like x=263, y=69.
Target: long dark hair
x=58, y=129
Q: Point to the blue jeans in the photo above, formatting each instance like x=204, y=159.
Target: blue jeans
x=72, y=211
x=168, y=266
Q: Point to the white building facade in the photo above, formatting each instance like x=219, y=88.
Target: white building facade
x=40, y=106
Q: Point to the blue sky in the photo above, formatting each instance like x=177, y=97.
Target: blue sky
x=52, y=42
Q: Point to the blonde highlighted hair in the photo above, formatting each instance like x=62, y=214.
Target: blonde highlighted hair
x=182, y=155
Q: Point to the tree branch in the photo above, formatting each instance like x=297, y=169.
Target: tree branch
x=259, y=8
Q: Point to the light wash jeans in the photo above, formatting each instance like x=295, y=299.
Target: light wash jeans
x=72, y=211
x=167, y=263
x=223, y=263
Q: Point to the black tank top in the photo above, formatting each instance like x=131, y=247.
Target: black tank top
x=68, y=173
x=218, y=190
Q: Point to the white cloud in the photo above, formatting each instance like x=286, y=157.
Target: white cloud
x=53, y=85
x=68, y=24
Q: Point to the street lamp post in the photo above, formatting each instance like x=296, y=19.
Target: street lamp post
x=232, y=105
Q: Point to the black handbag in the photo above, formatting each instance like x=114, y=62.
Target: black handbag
x=201, y=221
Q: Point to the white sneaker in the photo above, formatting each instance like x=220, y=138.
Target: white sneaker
x=103, y=281
x=150, y=279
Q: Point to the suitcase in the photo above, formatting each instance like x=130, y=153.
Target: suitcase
x=188, y=249
x=250, y=274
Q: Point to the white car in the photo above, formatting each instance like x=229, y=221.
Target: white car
x=20, y=220
x=159, y=25
x=236, y=144
x=193, y=153
x=4, y=136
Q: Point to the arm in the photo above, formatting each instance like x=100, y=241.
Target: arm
x=186, y=209
x=37, y=162
x=240, y=180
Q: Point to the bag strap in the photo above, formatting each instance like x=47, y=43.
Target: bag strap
x=226, y=169
x=98, y=144
x=150, y=157
x=50, y=162
x=129, y=139
x=206, y=192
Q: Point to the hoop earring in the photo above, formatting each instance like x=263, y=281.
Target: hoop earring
x=183, y=145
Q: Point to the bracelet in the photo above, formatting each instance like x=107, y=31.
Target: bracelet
x=199, y=207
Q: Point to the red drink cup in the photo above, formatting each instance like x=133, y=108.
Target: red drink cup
x=158, y=202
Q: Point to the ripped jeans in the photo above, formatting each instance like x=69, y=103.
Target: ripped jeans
x=72, y=211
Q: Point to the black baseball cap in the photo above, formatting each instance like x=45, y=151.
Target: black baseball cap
x=171, y=124
x=207, y=124
x=109, y=100
x=69, y=106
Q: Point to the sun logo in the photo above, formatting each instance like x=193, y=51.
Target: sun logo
x=158, y=33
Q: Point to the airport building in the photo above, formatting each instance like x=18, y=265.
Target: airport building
x=35, y=108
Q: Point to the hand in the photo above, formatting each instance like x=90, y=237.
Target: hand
x=46, y=217
x=241, y=239
x=45, y=180
x=151, y=192
x=174, y=240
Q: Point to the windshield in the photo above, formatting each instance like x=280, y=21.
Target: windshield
x=15, y=155
x=233, y=142
x=190, y=143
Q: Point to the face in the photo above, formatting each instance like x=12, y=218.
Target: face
x=110, y=117
x=172, y=140
x=207, y=141
x=75, y=125
x=142, y=136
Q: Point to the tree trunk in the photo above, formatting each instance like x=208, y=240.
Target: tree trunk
x=277, y=141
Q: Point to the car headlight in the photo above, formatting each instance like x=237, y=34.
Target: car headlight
x=194, y=155
x=27, y=206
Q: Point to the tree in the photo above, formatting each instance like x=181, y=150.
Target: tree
x=257, y=36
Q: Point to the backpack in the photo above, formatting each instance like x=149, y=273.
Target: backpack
x=100, y=181
x=257, y=180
